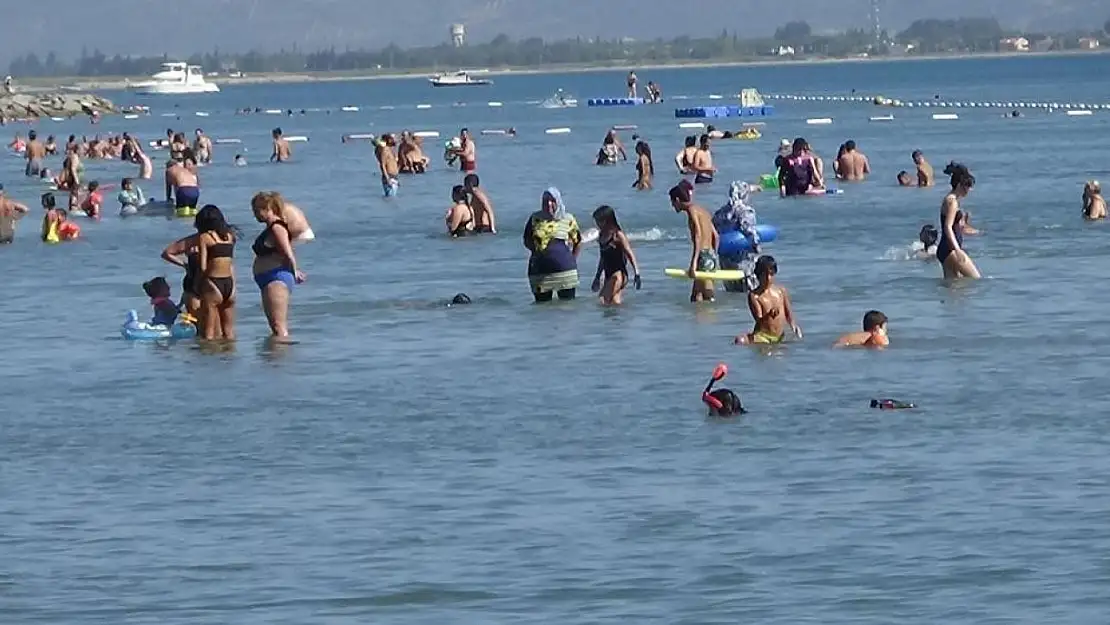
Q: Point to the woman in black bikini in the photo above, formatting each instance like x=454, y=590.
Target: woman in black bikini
x=460, y=217
x=216, y=273
x=612, y=263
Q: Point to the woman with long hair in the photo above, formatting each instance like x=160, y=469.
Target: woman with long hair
x=275, y=265
x=216, y=273
x=614, y=257
x=645, y=168
x=950, y=252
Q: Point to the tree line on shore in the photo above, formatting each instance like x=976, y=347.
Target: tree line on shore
x=793, y=39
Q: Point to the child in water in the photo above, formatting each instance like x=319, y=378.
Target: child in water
x=165, y=311
x=615, y=256
x=55, y=227
x=770, y=306
x=130, y=198
x=93, y=201
x=873, y=335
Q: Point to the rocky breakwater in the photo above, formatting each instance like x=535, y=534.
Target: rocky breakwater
x=32, y=106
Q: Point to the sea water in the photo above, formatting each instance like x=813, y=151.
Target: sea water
x=503, y=462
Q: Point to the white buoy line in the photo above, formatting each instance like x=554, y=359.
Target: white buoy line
x=895, y=103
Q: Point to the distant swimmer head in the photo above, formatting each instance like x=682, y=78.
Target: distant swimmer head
x=721, y=402
x=874, y=321
x=680, y=197
x=93, y=186
x=606, y=218
x=211, y=219
x=125, y=184
x=704, y=142
x=156, y=287
x=470, y=181
x=1015, y=113
x=459, y=194
x=928, y=235
x=460, y=299
x=765, y=268
x=849, y=146
x=48, y=201
x=276, y=133
x=917, y=156
x=799, y=146
x=1092, y=188
x=905, y=179
x=691, y=141
x=960, y=177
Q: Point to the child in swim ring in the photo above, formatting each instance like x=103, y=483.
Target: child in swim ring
x=165, y=311
x=873, y=335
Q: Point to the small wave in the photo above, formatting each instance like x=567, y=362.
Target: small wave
x=651, y=234
x=904, y=252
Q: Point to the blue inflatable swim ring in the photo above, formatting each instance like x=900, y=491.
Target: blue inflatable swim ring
x=135, y=330
x=732, y=242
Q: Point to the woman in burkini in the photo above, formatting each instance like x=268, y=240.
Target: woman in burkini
x=130, y=198
x=216, y=273
x=553, y=238
x=275, y=265
x=950, y=252
x=1094, y=206
x=645, y=168
x=460, y=217
x=614, y=257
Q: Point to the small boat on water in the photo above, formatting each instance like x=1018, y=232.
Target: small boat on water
x=559, y=100
x=176, y=79
x=460, y=78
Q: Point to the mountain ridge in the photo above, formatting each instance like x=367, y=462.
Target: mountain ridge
x=141, y=27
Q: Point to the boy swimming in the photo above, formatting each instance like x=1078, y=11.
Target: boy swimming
x=770, y=306
x=873, y=335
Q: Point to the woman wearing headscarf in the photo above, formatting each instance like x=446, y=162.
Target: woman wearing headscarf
x=553, y=238
x=738, y=214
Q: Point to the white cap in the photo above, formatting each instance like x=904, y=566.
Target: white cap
x=785, y=143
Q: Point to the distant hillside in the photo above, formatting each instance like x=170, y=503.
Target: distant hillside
x=181, y=28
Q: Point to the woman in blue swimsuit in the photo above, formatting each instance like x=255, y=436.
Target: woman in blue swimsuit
x=275, y=266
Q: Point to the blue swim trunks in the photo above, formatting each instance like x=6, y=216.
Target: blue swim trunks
x=279, y=274
x=389, y=187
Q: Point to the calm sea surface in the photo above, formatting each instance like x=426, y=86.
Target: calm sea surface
x=511, y=463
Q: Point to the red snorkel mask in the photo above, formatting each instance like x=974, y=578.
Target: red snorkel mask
x=719, y=373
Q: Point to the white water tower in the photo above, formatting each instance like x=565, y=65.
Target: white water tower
x=458, y=35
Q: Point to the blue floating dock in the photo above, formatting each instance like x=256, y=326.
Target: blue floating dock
x=614, y=102
x=702, y=112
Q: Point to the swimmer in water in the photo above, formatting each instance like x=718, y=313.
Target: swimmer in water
x=165, y=311
x=684, y=160
x=130, y=198
x=387, y=164
x=93, y=201
x=1094, y=206
x=704, y=241
x=485, y=221
x=928, y=237
x=282, y=153
x=722, y=402
x=852, y=165
x=35, y=154
x=70, y=177
x=182, y=177
x=924, y=169
x=905, y=179
x=703, y=163
x=460, y=217
x=873, y=335
x=240, y=161
x=950, y=252
x=10, y=213
x=645, y=168
x=770, y=306
x=615, y=256
x=202, y=147
x=460, y=299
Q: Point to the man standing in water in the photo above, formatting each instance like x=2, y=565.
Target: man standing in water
x=281, y=153
x=202, y=147
x=703, y=239
x=481, y=205
x=924, y=169
x=852, y=165
x=703, y=163
x=35, y=153
x=631, y=84
x=10, y=212
x=467, y=152
x=387, y=164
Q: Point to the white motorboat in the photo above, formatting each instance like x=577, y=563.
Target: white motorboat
x=176, y=79
x=559, y=100
x=458, y=79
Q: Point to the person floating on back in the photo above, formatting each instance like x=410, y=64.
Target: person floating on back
x=873, y=335
x=770, y=306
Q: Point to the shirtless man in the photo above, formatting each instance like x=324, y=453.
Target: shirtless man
x=36, y=152
x=281, y=153
x=703, y=239
x=770, y=306
x=202, y=147
x=70, y=178
x=467, y=152
x=481, y=205
x=10, y=212
x=185, y=182
x=852, y=165
x=684, y=160
x=703, y=163
x=924, y=169
x=387, y=164
x=873, y=335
